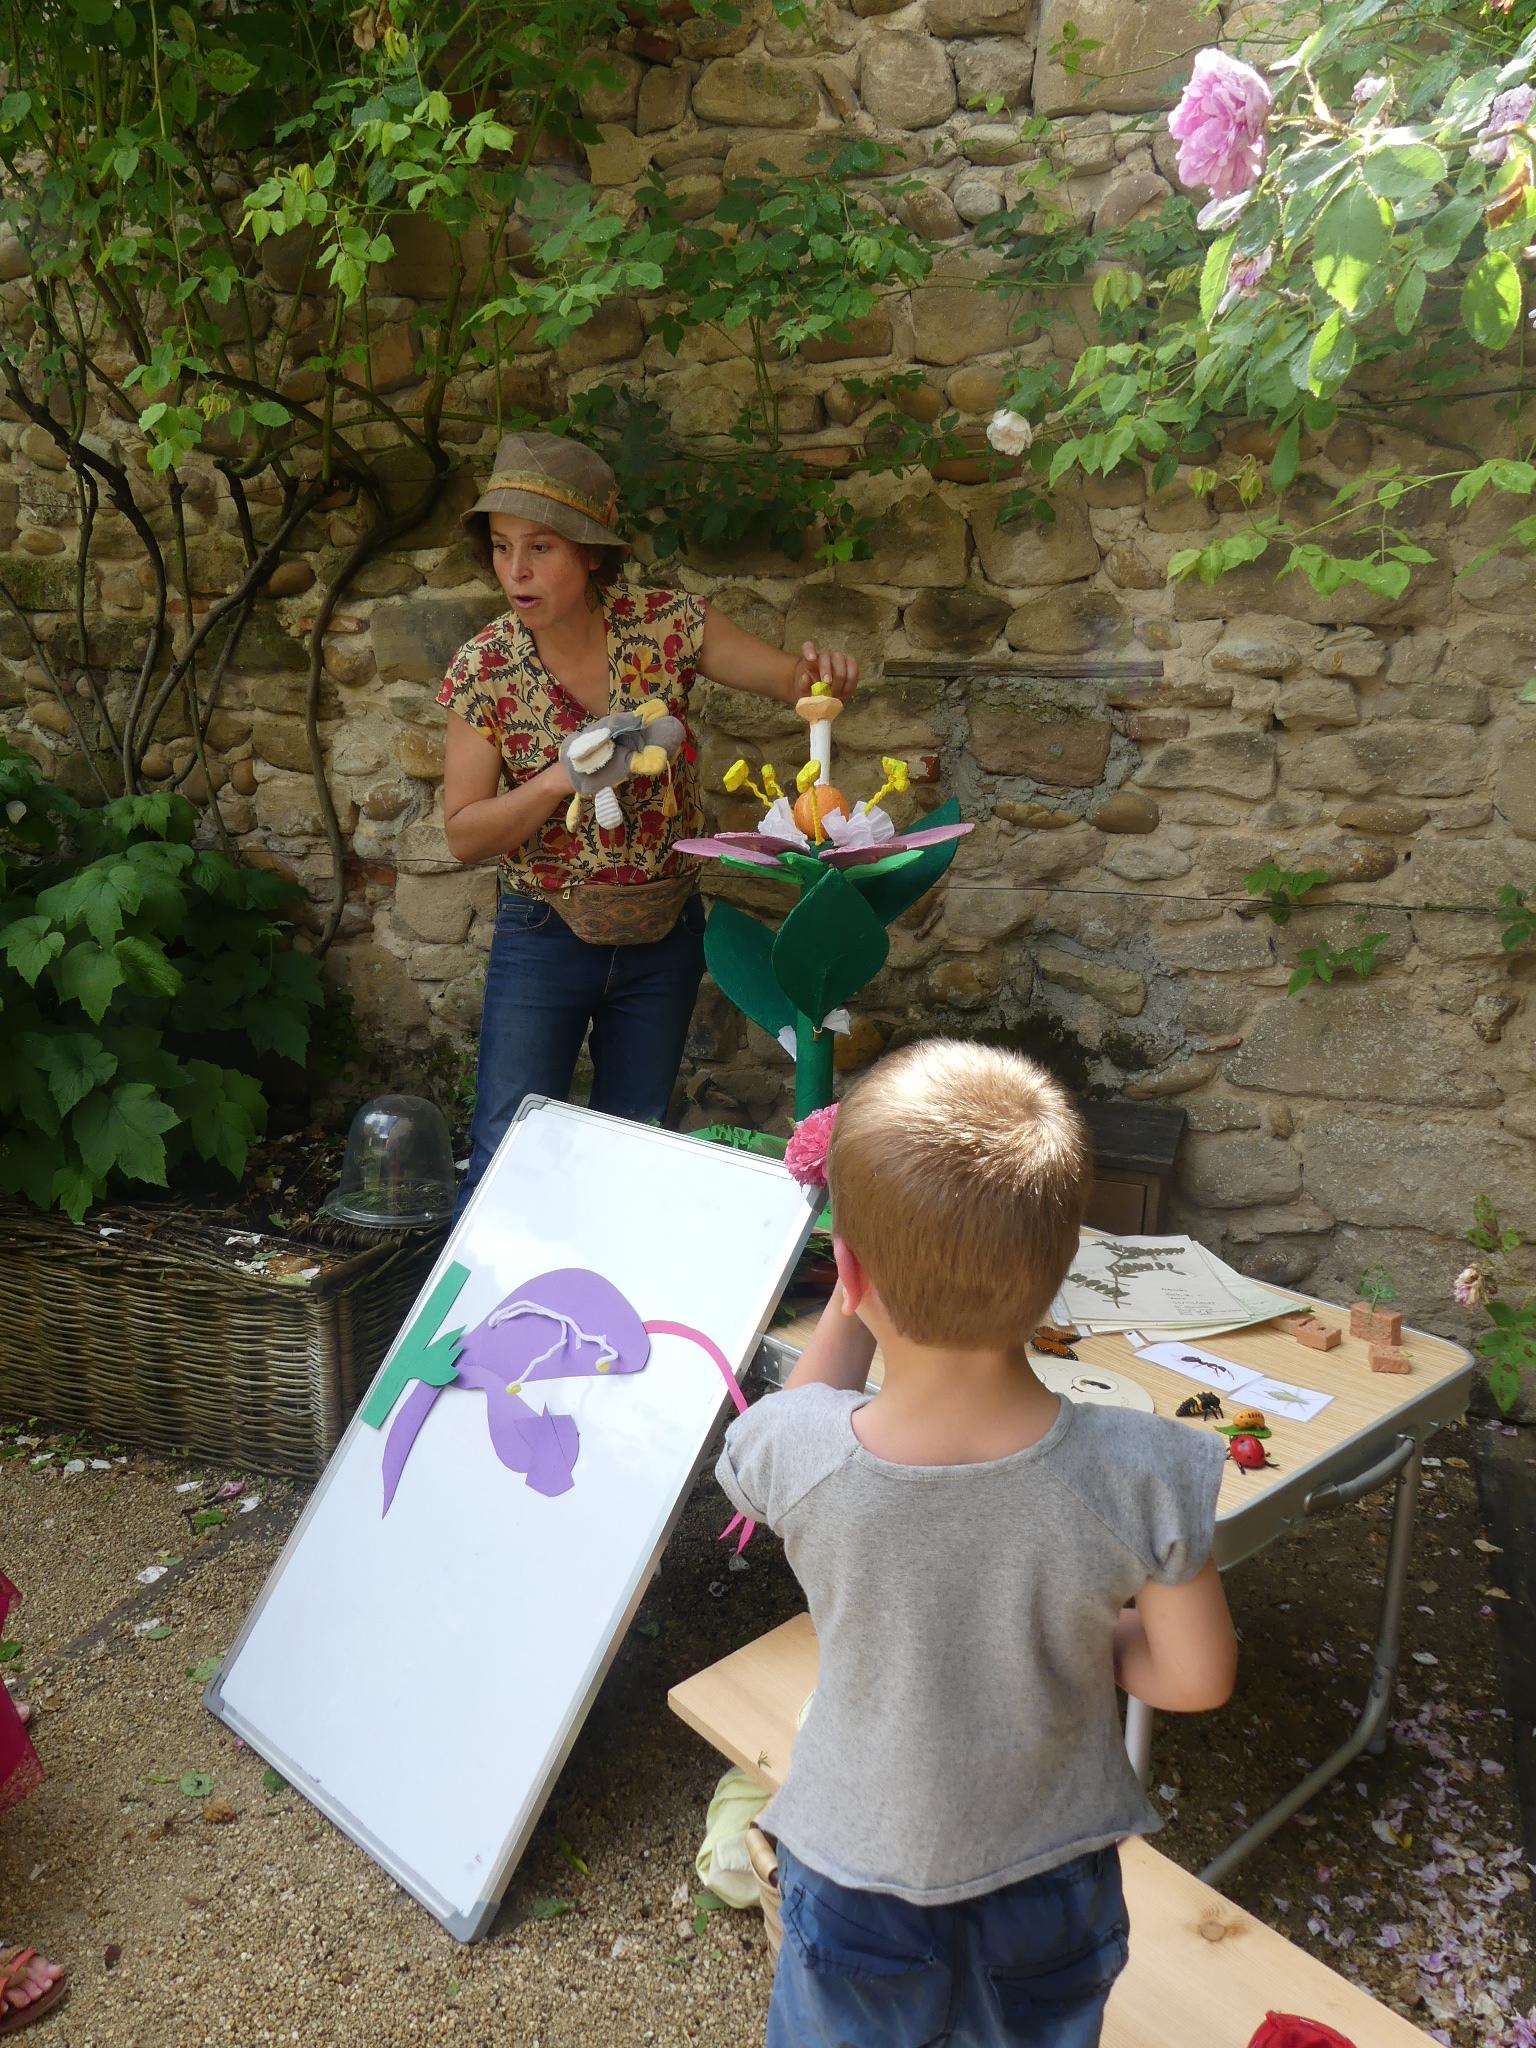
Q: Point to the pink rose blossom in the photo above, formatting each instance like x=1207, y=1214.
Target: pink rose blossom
x=1220, y=124
x=806, y=1153
x=1244, y=277
x=1510, y=109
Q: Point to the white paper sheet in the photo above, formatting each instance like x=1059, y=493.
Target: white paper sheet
x=1211, y=1370
x=1281, y=1398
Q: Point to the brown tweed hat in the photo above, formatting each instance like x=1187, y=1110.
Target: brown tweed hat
x=559, y=483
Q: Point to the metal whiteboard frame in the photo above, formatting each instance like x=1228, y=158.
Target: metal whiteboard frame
x=472, y=1925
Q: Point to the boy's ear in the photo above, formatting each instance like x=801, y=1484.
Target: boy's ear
x=851, y=1277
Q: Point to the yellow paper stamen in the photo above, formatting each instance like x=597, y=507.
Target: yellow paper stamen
x=898, y=778
x=771, y=781
x=738, y=776
x=808, y=775
x=822, y=689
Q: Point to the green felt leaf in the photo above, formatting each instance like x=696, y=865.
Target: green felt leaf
x=88, y=975
x=830, y=944
x=758, y=873
x=892, y=864
x=125, y=1130
x=739, y=953
x=888, y=895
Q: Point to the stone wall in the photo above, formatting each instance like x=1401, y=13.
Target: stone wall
x=1130, y=750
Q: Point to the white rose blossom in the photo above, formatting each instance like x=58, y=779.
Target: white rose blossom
x=1009, y=432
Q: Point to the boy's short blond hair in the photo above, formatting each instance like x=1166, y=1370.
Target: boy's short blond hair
x=958, y=1176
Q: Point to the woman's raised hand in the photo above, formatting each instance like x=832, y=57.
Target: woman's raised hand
x=825, y=665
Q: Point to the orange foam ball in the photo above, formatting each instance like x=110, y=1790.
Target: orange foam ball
x=816, y=802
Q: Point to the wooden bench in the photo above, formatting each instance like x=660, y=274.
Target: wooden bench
x=1202, y=1974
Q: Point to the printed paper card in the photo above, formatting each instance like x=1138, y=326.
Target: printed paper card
x=1280, y=1398
x=1191, y=1363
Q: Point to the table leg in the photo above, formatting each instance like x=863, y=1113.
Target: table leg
x=1138, y=1738
x=1370, y=1730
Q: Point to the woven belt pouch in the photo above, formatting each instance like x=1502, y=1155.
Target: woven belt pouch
x=623, y=914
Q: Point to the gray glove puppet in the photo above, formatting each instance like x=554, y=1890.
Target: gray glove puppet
x=610, y=750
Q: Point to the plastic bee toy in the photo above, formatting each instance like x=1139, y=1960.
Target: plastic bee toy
x=1205, y=1407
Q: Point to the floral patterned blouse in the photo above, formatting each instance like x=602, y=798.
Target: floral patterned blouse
x=497, y=683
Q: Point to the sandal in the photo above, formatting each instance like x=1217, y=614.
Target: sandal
x=14, y=1966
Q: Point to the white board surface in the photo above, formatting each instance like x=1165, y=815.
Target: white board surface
x=422, y=1675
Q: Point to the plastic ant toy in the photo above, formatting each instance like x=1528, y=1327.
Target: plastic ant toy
x=1205, y=1407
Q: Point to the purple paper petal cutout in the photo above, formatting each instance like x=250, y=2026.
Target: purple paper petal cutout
x=550, y=1447
x=403, y=1432
x=541, y=1345
x=719, y=849
x=928, y=835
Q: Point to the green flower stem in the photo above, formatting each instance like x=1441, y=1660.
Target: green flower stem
x=813, y=1066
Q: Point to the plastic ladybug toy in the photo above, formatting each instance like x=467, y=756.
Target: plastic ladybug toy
x=1248, y=1452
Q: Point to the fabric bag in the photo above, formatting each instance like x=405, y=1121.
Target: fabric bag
x=627, y=914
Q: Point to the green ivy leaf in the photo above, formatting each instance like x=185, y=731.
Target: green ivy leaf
x=29, y=944
x=147, y=967
x=1490, y=299
x=224, y=1111
x=124, y=1132
x=73, y=1190
x=88, y=975
x=75, y=1062
x=1348, y=243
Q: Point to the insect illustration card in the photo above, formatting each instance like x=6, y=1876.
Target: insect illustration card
x=1193, y=1363
x=1279, y=1397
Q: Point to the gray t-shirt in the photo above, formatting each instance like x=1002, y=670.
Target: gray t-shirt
x=965, y=1729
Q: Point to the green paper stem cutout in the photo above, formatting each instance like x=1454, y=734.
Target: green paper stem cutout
x=420, y=1355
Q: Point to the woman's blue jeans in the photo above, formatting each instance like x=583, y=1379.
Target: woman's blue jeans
x=546, y=990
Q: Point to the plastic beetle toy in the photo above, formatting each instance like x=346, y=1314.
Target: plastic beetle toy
x=1248, y=1452
x=1206, y=1406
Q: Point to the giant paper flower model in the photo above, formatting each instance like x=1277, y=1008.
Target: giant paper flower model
x=853, y=874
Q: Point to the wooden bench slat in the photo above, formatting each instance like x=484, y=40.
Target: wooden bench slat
x=1202, y=1974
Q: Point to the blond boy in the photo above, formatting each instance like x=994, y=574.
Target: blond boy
x=968, y=1543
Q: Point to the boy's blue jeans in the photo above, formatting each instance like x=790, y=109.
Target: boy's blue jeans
x=544, y=989
x=1033, y=1964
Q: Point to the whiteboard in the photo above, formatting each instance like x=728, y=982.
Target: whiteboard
x=436, y=1754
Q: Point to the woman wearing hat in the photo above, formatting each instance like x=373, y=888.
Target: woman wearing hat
x=598, y=925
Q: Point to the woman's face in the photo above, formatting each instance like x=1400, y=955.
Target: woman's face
x=543, y=575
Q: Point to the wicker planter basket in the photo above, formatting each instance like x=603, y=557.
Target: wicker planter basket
x=172, y=1331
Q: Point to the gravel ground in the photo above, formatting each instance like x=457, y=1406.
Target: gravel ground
x=265, y=1925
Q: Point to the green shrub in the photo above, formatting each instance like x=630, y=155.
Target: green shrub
x=140, y=977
